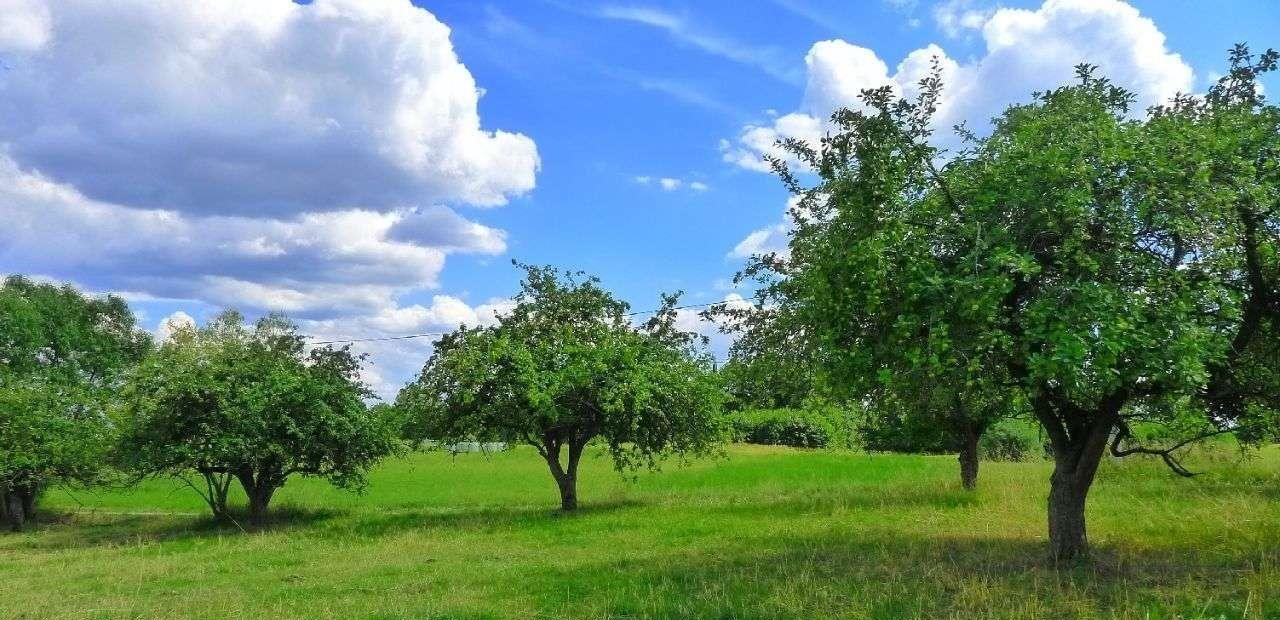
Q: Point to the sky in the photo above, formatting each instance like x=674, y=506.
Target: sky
x=372, y=167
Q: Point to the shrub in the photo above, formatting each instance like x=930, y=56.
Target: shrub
x=1012, y=440
x=813, y=427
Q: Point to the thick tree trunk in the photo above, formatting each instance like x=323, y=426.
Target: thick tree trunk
x=969, y=458
x=1067, y=537
x=259, y=501
x=1076, y=461
x=259, y=490
x=19, y=506
x=566, y=477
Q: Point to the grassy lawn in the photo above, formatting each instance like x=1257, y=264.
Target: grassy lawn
x=766, y=532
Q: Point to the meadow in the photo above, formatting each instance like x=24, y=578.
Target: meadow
x=762, y=532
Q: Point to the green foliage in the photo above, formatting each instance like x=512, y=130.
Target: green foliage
x=564, y=367
x=61, y=359
x=252, y=404
x=1082, y=264
x=1013, y=439
x=809, y=427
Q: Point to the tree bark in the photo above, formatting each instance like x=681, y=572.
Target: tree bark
x=13, y=510
x=259, y=490
x=19, y=506
x=1077, y=456
x=1068, y=539
x=566, y=477
x=969, y=458
x=259, y=501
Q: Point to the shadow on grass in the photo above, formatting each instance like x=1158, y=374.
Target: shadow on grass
x=54, y=530
x=889, y=575
x=90, y=528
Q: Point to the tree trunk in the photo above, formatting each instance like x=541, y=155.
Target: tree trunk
x=566, y=477
x=969, y=458
x=1076, y=462
x=1067, y=537
x=14, y=510
x=259, y=501
x=20, y=505
x=259, y=490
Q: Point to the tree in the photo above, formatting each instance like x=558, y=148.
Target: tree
x=229, y=402
x=61, y=358
x=563, y=368
x=1099, y=268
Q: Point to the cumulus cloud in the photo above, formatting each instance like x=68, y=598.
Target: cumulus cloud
x=339, y=261
x=250, y=106
x=769, y=239
x=395, y=359
x=1026, y=50
x=174, y=322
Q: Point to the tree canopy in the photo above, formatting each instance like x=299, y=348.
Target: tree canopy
x=1100, y=267
x=62, y=355
x=564, y=367
x=232, y=402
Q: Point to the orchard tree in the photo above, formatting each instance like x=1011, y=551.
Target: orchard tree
x=1097, y=267
x=564, y=367
x=62, y=355
x=230, y=402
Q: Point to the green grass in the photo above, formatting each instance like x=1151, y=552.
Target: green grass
x=764, y=533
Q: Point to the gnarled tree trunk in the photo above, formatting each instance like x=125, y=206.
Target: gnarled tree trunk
x=1077, y=456
x=566, y=476
x=259, y=488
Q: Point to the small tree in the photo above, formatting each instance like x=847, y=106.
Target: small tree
x=564, y=367
x=229, y=402
x=62, y=355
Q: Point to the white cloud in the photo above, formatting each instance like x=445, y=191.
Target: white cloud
x=250, y=106
x=339, y=261
x=25, y=25
x=770, y=60
x=690, y=320
x=1026, y=50
x=957, y=17
x=392, y=362
x=671, y=184
x=772, y=238
x=172, y=323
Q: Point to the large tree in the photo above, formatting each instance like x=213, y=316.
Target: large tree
x=61, y=359
x=1099, y=267
x=564, y=367
x=229, y=402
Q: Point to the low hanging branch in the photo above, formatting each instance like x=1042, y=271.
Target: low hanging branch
x=1165, y=454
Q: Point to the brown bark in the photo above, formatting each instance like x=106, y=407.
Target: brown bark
x=1077, y=456
x=969, y=458
x=566, y=477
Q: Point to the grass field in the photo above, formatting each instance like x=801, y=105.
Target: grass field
x=763, y=533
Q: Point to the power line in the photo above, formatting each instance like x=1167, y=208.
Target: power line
x=430, y=334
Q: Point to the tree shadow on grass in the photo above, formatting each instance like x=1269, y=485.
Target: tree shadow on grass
x=55, y=530
x=891, y=575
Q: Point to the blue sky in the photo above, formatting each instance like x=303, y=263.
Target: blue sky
x=334, y=161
